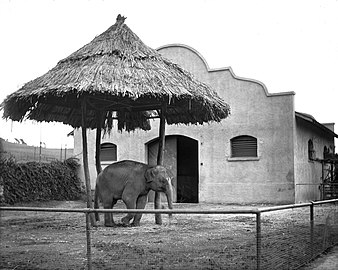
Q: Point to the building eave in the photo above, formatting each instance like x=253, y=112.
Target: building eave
x=309, y=118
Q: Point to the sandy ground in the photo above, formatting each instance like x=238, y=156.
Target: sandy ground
x=326, y=261
x=39, y=240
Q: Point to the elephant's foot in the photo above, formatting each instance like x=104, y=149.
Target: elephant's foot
x=125, y=220
x=109, y=223
x=135, y=224
x=112, y=224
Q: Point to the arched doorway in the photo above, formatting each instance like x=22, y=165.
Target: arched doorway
x=181, y=157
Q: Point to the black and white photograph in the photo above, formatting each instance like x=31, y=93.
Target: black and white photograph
x=157, y=134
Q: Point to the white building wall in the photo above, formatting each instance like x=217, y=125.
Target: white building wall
x=255, y=112
x=308, y=173
x=222, y=179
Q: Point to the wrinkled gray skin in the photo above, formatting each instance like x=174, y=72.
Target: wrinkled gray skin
x=130, y=181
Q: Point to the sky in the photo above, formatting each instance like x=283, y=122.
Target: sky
x=289, y=45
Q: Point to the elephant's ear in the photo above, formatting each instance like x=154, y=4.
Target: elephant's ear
x=149, y=175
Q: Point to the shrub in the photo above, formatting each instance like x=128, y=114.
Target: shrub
x=33, y=181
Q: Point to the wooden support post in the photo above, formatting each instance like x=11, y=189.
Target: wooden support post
x=85, y=159
x=161, y=143
x=99, y=117
x=160, y=159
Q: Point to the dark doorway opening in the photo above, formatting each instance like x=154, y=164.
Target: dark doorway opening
x=187, y=170
x=181, y=158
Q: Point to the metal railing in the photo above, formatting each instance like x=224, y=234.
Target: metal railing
x=258, y=212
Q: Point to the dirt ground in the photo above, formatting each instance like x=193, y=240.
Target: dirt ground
x=326, y=261
x=40, y=240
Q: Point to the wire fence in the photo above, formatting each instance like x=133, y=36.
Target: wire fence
x=38, y=154
x=224, y=239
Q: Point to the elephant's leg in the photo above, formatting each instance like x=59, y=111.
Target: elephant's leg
x=141, y=204
x=108, y=217
x=130, y=201
x=111, y=214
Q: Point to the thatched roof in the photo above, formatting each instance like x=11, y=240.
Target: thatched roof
x=121, y=76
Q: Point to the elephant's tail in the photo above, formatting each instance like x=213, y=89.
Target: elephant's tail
x=96, y=202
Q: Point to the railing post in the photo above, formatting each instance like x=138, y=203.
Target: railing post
x=311, y=228
x=258, y=240
x=88, y=238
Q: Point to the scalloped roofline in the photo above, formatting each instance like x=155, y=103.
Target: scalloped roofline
x=226, y=69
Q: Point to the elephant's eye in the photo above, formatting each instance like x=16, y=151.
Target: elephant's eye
x=164, y=181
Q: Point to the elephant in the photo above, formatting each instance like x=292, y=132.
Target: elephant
x=130, y=181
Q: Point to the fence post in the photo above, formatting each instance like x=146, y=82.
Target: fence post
x=89, y=246
x=311, y=228
x=258, y=240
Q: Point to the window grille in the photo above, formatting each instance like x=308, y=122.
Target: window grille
x=243, y=146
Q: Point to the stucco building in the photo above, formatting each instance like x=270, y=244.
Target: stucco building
x=265, y=152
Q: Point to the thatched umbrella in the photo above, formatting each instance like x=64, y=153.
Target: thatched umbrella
x=115, y=76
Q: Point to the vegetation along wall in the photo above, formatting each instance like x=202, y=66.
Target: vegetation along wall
x=33, y=181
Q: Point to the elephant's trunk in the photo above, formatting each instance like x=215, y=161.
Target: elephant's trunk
x=169, y=194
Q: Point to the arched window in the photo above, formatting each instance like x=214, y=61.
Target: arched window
x=326, y=153
x=243, y=146
x=311, y=151
x=108, y=153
